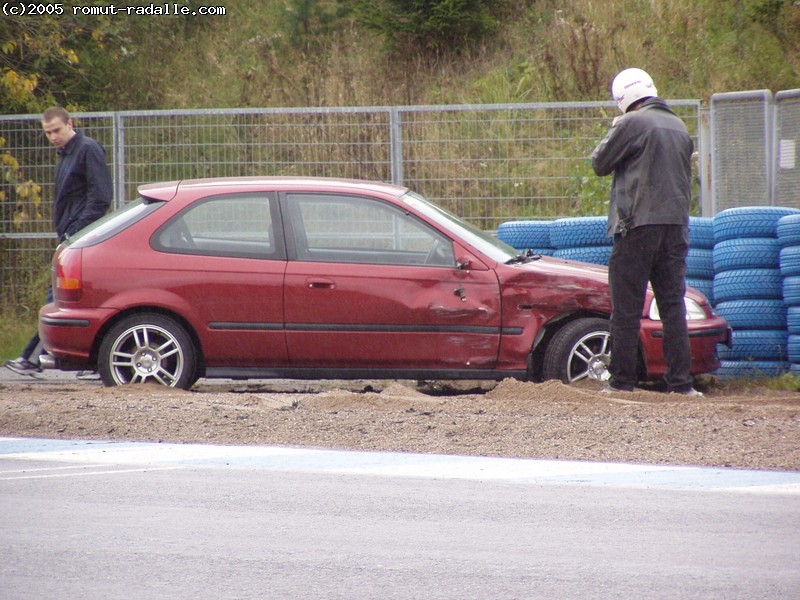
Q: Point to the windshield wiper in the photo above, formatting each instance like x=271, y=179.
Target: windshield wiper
x=527, y=256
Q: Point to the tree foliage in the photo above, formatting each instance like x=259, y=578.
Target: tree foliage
x=429, y=26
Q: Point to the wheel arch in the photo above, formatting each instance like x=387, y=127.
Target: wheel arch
x=553, y=326
x=98, y=340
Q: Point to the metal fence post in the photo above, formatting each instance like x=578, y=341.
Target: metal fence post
x=787, y=138
x=119, y=153
x=396, y=145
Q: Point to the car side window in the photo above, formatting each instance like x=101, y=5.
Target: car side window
x=354, y=229
x=238, y=225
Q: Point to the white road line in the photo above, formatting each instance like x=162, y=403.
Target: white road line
x=154, y=456
x=88, y=473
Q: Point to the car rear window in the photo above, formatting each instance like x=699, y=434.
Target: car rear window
x=114, y=222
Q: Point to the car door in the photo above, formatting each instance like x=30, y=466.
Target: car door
x=227, y=264
x=370, y=285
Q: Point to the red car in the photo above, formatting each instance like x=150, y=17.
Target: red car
x=326, y=278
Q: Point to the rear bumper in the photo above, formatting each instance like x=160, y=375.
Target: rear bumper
x=68, y=335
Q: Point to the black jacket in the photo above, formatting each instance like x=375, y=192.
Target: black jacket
x=83, y=185
x=649, y=151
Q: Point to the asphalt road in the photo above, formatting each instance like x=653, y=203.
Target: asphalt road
x=124, y=520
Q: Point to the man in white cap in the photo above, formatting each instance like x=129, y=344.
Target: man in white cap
x=648, y=150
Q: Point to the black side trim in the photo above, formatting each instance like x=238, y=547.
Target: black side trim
x=241, y=326
x=331, y=373
x=65, y=322
x=238, y=326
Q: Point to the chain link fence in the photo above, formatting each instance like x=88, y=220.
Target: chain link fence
x=754, y=137
x=486, y=163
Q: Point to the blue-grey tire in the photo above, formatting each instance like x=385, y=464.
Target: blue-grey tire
x=597, y=255
x=705, y=286
x=753, y=314
x=751, y=369
x=789, y=230
x=747, y=253
x=789, y=260
x=793, y=349
x=700, y=263
x=701, y=232
x=793, y=320
x=525, y=234
x=748, y=284
x=749, y=222
x=756, y=344
x=791, y=290
x=574, y=232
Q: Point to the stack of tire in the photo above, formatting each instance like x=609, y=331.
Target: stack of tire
x=789, y=240
x=582, y=238
x=700, y=261
x=748, y=291
x=527, y=235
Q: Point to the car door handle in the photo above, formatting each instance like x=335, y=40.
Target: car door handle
x=320, y=284
x=460, y=311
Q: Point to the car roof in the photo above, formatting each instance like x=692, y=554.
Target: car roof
x=168, y=189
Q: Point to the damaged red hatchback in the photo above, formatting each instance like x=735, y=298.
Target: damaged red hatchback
x=326, y=278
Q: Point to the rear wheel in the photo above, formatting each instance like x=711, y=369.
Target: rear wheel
x=148, y=348
x=579, y=351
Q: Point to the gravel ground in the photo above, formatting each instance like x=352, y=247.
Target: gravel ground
x=741, y=428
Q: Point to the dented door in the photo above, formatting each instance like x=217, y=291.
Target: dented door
x=370, y=286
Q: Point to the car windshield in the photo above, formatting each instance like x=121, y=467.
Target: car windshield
x=486, y=243
x=114, y=222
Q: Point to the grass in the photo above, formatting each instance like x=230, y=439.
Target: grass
x=14, y=334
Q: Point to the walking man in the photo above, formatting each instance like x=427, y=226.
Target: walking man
x=83, y=194
x=648, y=150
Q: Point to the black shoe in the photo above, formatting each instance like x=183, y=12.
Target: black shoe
x=23, y=366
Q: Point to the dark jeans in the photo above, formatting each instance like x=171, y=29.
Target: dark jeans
x=654, y=253
x=35, y=349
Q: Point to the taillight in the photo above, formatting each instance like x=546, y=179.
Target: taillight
x=67, y=281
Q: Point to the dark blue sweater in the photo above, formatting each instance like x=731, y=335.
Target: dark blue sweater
x=83, y=185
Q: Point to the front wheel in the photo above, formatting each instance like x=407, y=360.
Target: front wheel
x=580, y=350
x=146, y=348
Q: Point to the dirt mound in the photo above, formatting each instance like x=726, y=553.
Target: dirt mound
x=751, y=428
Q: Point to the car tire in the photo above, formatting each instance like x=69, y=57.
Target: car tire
x=700, y=263
x=751, y=369
x=756, y=344
x=790, y=261
x=748, y=284
x=791, y=290
x=148, y=348
x=793, y=320
x=574, y=232
x=749, y=222
x=579, y=350
x=523, y=235
x=747, y=253
x=701, y=232
x=704, y=286
x=596, y=255
x=789, y=230
x=753, y=314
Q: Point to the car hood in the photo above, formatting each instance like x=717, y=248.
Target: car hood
x=554, y=285
x=570, y=271
x=559, y=276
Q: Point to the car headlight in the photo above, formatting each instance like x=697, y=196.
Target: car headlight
x=694, y=311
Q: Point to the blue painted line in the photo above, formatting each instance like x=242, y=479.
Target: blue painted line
x=396, y=464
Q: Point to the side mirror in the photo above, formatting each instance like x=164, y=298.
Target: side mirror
x=463, y=264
